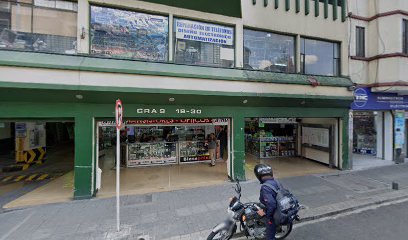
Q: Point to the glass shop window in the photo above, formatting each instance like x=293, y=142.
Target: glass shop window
x=269, y=51
x=44, y=26
x=198, y=43
x=126, y=34
x=319, y=57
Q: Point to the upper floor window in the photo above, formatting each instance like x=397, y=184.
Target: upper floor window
x=127, y=34
x=269, y=51
x=28, y=27
x=201, y=43
x=65, y=5
x=319, y=57
x=405, y=36
x=360, y=42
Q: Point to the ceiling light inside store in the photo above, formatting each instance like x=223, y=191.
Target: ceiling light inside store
x=172, y=99
x=79, y=96
x=245, y=101
x=303, y=102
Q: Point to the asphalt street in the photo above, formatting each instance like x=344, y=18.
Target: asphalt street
x=387, y=222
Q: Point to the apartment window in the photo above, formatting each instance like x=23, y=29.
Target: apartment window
x=405, y=36
x=64, y=5
x=269, y=51
x=199, y=43
x=28, y=27
x=360, y=42
x=126, y=34
x=320, y=57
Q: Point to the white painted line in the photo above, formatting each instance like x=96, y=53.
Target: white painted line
x=16, y=227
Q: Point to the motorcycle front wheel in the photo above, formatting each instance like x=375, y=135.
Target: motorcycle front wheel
x=222, y=234
x=283, y=231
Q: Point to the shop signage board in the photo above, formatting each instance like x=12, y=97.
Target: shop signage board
x=204, y=32
x=399, y=129
x=277, y=120
x=184, y=121
x=364, y=99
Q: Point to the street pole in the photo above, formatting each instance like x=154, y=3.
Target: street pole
x=117, y=179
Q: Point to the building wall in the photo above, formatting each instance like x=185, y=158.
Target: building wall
x=383, y=36
x=290, y=22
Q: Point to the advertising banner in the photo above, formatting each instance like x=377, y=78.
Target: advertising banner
x=399, y=129
x=364, y=99
x=204, y=32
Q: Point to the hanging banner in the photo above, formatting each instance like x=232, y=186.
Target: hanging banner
x=399, y=129
x=204, y=32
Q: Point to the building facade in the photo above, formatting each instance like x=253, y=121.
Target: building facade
x=179, y=65
x=378, y=59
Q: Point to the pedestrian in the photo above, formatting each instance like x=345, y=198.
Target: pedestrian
x=223, y=138
x=267, y=197
x=212, y=145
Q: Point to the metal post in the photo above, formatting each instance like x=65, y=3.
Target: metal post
x=117, y=179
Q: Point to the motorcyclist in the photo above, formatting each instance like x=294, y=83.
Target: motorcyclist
x=267, y=197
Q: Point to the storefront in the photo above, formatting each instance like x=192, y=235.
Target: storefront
x=157, y=142
x=313, y=139
x=375, y=129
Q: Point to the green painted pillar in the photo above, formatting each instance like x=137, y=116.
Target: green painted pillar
x=307, y=7
x=334, y=10
x=326, y=8
x=83, y=182
x=238, y=147
x=317, y=8
x=276, y=4
x=297, y=6
x=345, y=143
x=343, y=10
x=265, y=3
x=287, y=5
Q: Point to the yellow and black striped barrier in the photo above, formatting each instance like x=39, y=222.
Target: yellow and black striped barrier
x=33, y=156
x=29, y=177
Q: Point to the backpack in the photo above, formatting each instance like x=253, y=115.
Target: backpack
x=284, y=203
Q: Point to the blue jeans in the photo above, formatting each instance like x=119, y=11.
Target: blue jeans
x=270, y=230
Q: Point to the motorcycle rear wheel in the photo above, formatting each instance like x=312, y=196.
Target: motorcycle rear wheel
x=285, y=231
x=222, y=234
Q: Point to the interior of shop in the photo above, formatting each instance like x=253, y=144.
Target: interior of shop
x=292, y=146
x=36, y=161
x=163, y=154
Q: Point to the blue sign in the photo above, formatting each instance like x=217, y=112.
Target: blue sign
x=364, y=99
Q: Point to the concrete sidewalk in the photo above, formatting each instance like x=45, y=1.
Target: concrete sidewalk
x=190, y=214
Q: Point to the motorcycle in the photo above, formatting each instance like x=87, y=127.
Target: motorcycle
x=251, y=223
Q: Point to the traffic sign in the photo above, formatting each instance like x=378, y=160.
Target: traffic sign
x=119, y=114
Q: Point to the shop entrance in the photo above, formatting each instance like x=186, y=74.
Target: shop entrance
x=163, y=154
x=37, y=162
x=292, y=146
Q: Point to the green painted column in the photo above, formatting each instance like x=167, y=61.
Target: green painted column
x=276, y=4
x=326, y=8
x=238, y=147
x=83, y=156
x=297, y=6
x=265, y=3
x=307, y=7
x=317, y=8
x=343, y=10
x=287, y=5
x=334, y=10
x=345, y=143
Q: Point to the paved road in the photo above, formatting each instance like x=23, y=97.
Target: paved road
x=387, y=222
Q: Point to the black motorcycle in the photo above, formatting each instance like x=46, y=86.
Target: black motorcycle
x=251, y=223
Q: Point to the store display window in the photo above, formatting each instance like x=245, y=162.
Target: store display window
x=126, y=34
x=269, y=51
x=199, y=43
x=166, y=141
x=271, y=137
x=364, y=132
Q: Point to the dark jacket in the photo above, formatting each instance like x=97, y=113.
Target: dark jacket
x=268, y=198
